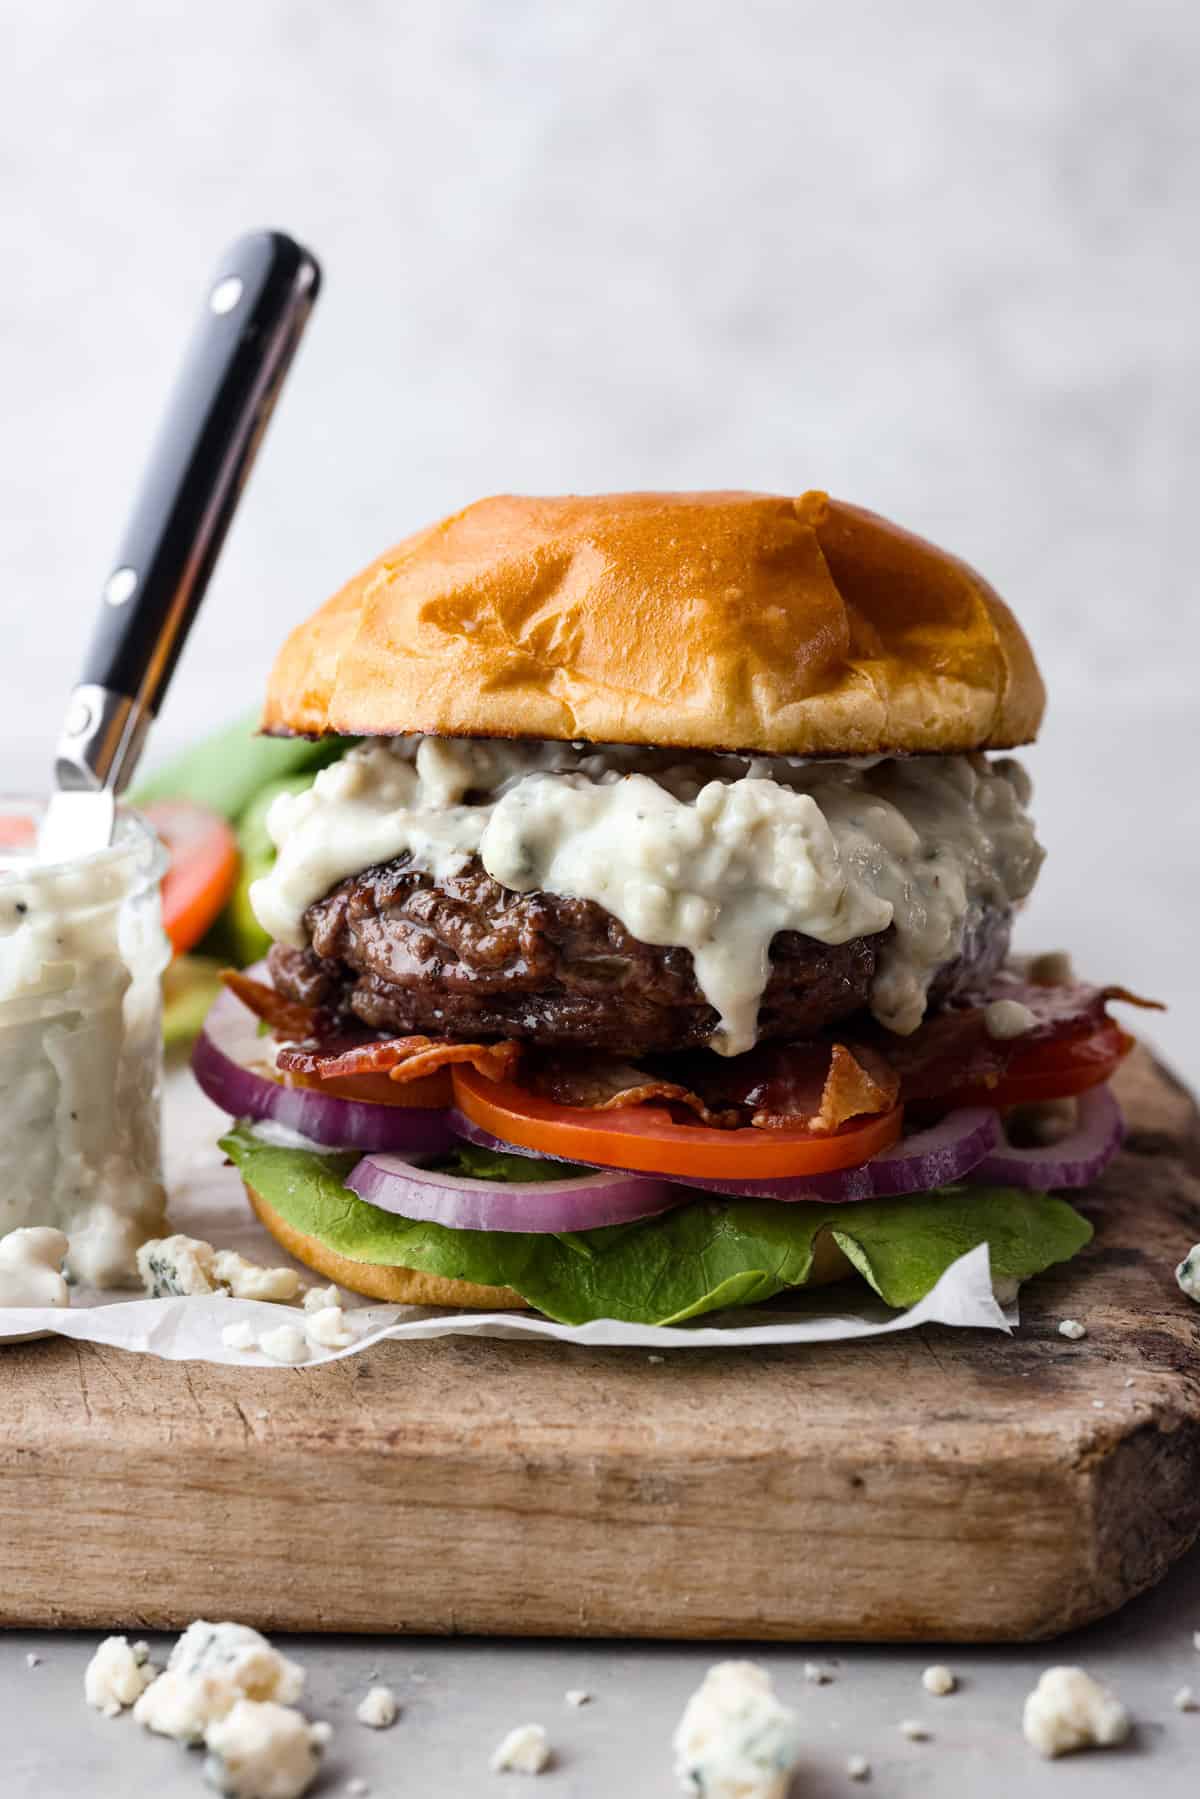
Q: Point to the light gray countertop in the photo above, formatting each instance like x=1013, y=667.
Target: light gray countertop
x=460, y=1696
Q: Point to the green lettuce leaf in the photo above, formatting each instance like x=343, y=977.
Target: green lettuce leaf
x=227, y=770
x=190, y=985
x=706, y=1255
x=481, y=1164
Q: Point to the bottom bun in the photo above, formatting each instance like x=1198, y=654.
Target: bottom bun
x=405, y=1286
x=401, y=1286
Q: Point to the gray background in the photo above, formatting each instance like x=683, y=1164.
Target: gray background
x=941, y=259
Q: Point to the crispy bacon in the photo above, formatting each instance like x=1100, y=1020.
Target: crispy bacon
x=402, y=1059
x=811, y=1086
x=857, y=1082
x=602, y=1084
x=814, y=1086
x=288, y=1019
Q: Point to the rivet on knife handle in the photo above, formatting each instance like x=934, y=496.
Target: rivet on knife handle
x=255, y=309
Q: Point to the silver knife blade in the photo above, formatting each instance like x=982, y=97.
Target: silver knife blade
x=76, y=824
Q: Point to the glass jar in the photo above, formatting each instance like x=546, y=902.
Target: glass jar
x=82, y=951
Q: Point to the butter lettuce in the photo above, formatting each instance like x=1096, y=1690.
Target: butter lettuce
x=708, y=1254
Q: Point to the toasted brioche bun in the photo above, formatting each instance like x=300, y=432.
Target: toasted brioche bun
x=709, y=621
x=404, y=1286
x=401, y=1286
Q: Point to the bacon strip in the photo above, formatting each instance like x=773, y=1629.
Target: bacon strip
x=858, y=1082
x=402, y=1059
x=601, y=1084
x=816, y=1085
x=287, y=1018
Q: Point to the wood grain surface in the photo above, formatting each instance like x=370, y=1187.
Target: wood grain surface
x=940, y=1485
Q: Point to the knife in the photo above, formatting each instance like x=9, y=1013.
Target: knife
x=255, y=310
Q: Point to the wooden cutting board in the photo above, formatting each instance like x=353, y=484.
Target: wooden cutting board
x=941, y=1484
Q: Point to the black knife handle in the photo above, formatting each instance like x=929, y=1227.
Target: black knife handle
x=255, y=309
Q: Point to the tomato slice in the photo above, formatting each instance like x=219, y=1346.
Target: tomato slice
x=202, y=871
x=431, y=1090
x=648, y=1139
x=17, y=833
x=1054, y=1070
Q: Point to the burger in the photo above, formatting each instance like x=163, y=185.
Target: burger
x=647, y=950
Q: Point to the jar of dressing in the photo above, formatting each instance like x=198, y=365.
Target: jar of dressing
x=82, y=951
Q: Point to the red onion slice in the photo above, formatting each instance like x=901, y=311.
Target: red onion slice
x=577, y=1202
x=916, y=1164
x=1074, y=1161
x=222, y=1063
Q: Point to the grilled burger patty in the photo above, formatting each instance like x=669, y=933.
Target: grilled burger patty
x=400, y=951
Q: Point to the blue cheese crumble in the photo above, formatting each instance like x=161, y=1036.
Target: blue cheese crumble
x=210, y=1669
x=188, y=1267
x=735, y=1740
x=1188, y=1273
x=1068, y=1710
x=524, y=1750
x=117, y=1675
x=261, y=1750
x=31, y=1262
x=377, y=1708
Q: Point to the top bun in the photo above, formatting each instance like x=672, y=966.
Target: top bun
x=715, y=621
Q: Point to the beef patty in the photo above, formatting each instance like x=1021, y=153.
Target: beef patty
x=400, y=951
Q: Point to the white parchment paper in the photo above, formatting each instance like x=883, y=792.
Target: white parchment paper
x=206, y=1200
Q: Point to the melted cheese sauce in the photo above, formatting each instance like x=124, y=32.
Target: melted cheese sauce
x=713, y=854
x=81, y=955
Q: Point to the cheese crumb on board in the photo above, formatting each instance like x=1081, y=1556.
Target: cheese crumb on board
x=735, y=1739
x=328, y=1328
x=117, y=1676
x=249, y=1280
x=286, y=1344
x=577, y=1696
x=210, y=1669
x=938, y=1680
x=378, y=1708
x=1068, y=1710
x=524, y=1750
x=816, y=1675
x=317, y=1299
x=31, y=1262
x=188, y=1267
x=1188, y=1273
x=239, y=1336
x=1186, y=1701
x=858, y=1767
x=32, y=1660
x=261, y=1750
x=914, y=1730
x=1071, y=1327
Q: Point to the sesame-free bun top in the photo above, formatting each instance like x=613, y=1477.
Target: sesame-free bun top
x=734, y=621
